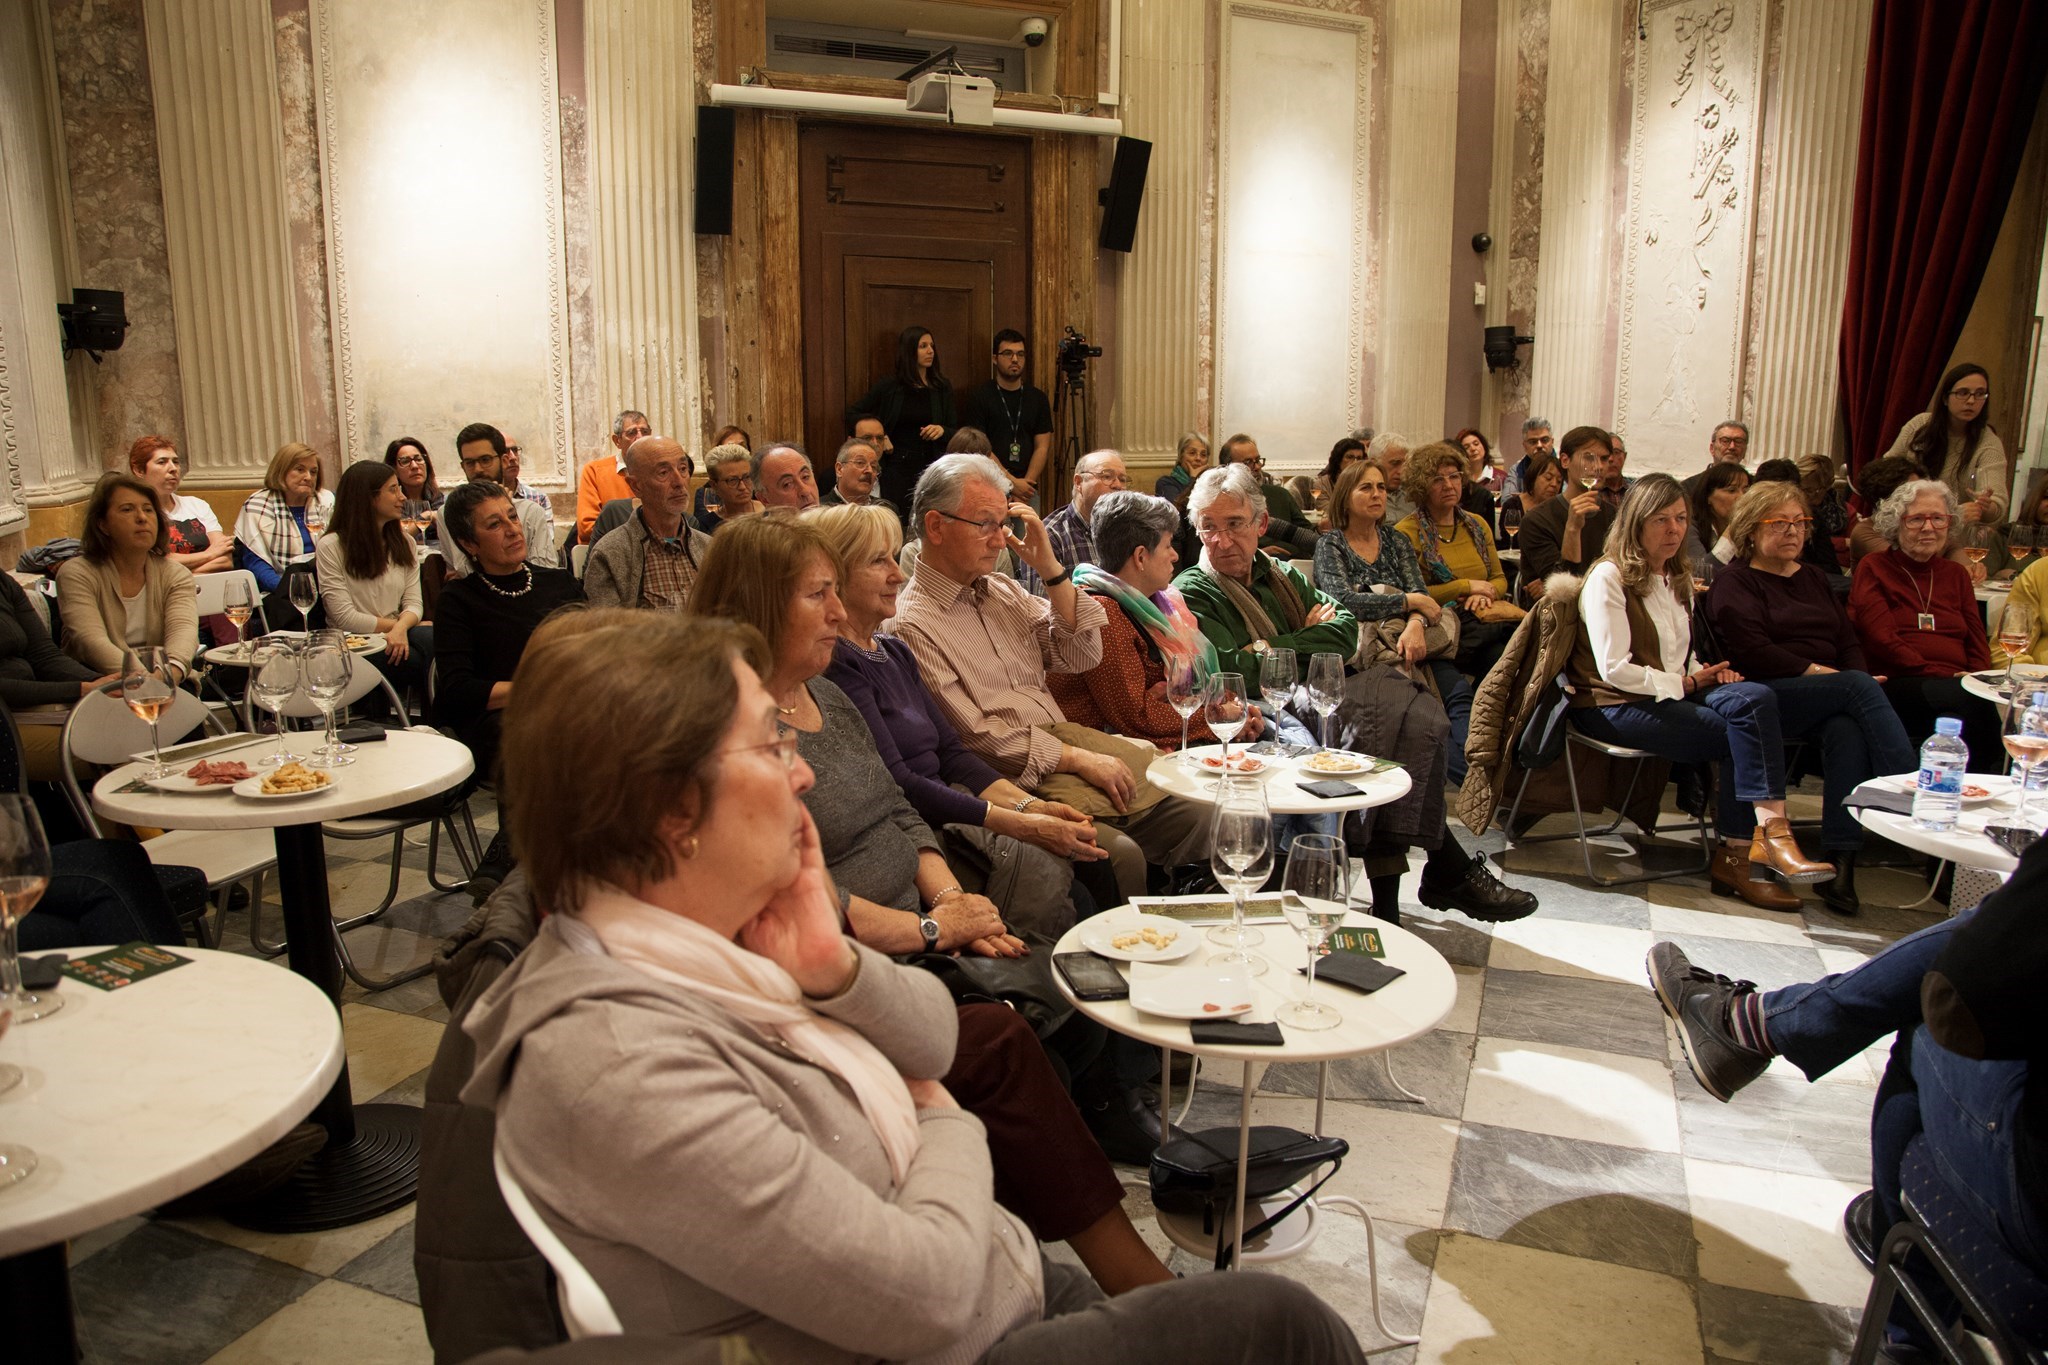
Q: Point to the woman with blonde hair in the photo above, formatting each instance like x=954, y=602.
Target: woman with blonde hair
x=281, y=522
x=1637, y=683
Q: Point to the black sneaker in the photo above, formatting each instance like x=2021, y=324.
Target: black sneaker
x=1697, y=1002
x=1479, y=894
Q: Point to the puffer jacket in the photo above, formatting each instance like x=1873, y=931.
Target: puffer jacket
x=1535, y=656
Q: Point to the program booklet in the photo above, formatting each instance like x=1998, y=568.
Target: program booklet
x=113, y=968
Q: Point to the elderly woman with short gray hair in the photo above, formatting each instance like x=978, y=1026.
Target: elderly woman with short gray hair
x=729, y=472
x=1916, y=612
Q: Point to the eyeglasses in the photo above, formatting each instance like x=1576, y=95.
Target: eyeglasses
x=513, y=449
x=869, y=465
x=784, y=744
x=411, y=459
x=1781, y=523
x=1933, y=521
x=479, y=461
x=1010, y=353
x=1236, y=526
x=1970, y=395
x=1120, y=480
x=985, y=527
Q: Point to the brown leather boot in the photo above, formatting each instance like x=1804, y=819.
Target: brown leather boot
x=1729, y=876
x=1774, y=847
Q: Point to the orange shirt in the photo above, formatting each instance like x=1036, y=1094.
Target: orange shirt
x=600, y=483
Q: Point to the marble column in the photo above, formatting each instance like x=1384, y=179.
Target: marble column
x=1570, y=361
x=642, y=120
x=1160, y=291
x=1817, y=109
x=228, y=239
x=1415, y=219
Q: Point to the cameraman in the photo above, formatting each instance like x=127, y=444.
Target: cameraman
x=1017, y=417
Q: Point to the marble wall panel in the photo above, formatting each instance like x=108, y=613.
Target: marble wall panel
x=445, y=221
x=1415, y=222
x=1296, y=241
x=306, y=221
x=1697, y=125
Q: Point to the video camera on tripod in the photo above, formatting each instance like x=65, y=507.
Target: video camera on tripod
x=1073, y=355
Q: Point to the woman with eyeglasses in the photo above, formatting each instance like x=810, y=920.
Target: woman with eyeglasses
x=1954, y=439
x=1779, y=623
x=1916, y=613
x=408, y=457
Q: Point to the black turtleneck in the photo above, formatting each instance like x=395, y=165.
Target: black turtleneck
x=479, y=635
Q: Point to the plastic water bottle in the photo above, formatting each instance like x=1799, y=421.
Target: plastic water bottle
x=1938, y=794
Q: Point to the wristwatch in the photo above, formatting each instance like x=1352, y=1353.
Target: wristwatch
x=929, y=927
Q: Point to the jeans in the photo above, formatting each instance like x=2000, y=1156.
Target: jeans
x=1456, y=691
x=1288, y=729
x=101, y=891
x=1737, y=722
x=1851, y=719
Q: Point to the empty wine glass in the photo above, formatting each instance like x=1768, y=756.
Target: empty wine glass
x=1314, y=892
x=274, y=680
x=1226, y=709
x=339, y=639
x=16, y=1161
x=326, y=669
x=1325, y=689
x=1186, y=680
x=1276, y=678
x=305, y=591
x=149, y=685
x=24, y=875
x=1241, y=856
x=240, y=604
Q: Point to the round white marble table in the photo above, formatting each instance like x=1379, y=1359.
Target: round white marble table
x=1396, y=1013
x=1983, y=684
x=1966, y=844
x=370, y=1164
x=234, y=655
x=132, y=1097
x=1282, y=777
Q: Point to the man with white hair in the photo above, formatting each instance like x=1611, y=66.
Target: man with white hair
x=1536, y=438
x=1249, y=603
x=651, y=560
x=603, y=480
x=1389, y=450
x=984, y=645
x=1728, y=445
x=856, y=470
x=783, y=476
x=1096, y=473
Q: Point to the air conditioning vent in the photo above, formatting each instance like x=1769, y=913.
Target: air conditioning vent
x=822, y=49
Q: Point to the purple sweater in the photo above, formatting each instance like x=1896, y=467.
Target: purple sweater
x=1773, y=627
x=920, y=746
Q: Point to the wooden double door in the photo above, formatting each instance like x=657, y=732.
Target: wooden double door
x=900, y=228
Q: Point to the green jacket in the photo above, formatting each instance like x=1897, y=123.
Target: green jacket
x=1225, y=627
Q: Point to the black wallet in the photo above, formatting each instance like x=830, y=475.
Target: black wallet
x=1357, y=971
x=42, y=973
x=1329, y=789
x=368, y=732
x=1230, y=1033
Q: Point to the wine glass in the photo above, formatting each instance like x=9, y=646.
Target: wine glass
x=305, y=591
x=274, y=679
x=16, y=1161
x=1226, y=709
x=2028, y=747
x=24, y=875
x=1241, y=856
x=339, y=639
x=2015, y=637
x=240, y=604
x=1277, y=671
x=316, y=517
x=2019, y=541
x=327, y=668
x=1186, y=681
x=1510, y=520
x=1314, y=892
x=149, y=686
x=1325, y=689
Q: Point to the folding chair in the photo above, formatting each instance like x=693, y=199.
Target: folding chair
x=210, y=592
x=585, y=1309
x=435, y=812
x=102, y=731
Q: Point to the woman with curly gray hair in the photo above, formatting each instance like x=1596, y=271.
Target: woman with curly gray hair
x=1917, y=614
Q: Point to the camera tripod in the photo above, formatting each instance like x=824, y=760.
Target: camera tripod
x=1073, y=431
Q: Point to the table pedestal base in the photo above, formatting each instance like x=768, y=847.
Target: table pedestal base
x=373, y=1172
x=35, y=1303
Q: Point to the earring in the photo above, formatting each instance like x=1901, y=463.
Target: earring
x=691, y=852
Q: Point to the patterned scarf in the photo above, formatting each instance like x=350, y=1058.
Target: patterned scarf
x=268, y=530
x=1260, y=626
x=1163, y=619
x=1432, y=556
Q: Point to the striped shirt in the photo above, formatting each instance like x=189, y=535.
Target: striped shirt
x=984, y=650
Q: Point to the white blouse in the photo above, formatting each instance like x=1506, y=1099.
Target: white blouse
x=1602, y=607
x=356, y=603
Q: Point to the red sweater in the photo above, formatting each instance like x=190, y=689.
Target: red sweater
x=1117, y=694
x=1886, y=599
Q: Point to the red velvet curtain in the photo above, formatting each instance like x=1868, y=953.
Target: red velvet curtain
x=1948, y=99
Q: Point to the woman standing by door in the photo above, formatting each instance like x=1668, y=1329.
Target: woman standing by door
x=915, y=404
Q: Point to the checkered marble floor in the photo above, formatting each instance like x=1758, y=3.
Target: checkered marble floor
x=1564, y=1192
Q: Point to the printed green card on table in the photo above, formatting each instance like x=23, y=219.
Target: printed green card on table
x=113, y=968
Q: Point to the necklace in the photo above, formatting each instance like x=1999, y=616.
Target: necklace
x=1926, y=594
x=485, y=579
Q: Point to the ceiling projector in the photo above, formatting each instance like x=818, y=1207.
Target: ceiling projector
x=961, y=98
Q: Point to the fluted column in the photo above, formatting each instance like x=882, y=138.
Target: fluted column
x=1819, y=98
x=1415, y=221
x=213, y=72
x=637, y=60
x=1573, y=275
x=1159, y=300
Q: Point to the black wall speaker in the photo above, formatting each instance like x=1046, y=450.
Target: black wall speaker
x=95, y=320
x=1126, y=190
x=714, y=171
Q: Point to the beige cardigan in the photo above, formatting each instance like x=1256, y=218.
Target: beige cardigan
x=96, y=624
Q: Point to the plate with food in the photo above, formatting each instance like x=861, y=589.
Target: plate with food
x=1210, y=991
x=1241, y=763
x=1337, y=763
x=287, y=783
x=1139, y=938
x=359, y=643
x=215, y=775
x=1979, y=788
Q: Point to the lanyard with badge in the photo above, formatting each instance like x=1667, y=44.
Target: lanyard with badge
x=1015, y=419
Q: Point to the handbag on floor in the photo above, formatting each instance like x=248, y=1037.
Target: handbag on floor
x=1198, y=1174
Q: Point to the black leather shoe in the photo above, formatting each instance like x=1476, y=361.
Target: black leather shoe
x=1124, y=1120
x=1858, y=1227
x=1479, y=894
x=1839, y=895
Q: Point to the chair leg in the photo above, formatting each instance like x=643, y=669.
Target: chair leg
x=462, y=854
x=255, y=923
x=390, y=888
x=371, y=983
